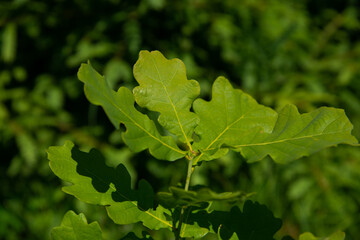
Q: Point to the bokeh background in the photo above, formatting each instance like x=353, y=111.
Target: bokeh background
x=279, y=51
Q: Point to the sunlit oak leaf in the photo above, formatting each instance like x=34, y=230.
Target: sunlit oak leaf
x=164, y=88
x=193, y=231
x=141, y=132
x=296, y=135
x=227, y=117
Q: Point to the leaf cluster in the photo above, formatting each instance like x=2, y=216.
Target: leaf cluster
x=95, y=183
x=287, y=55
x=232, y=120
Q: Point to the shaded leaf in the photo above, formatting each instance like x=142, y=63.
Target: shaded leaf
x=94, y=182
x=145, y=195
x=229, y=116
x=255, y=222
x=141, y=132
x=179, y=197
x=75, y=227
x=164, y=88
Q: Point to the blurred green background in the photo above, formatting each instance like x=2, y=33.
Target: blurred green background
x=279, y=51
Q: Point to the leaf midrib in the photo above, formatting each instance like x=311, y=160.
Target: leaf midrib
x=132, y=120
x=266, y=143
x=284, y=140
x=143, y=129
x=170, y=100
x=222, y=133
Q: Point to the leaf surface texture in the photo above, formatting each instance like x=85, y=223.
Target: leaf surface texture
x=141, y=132
x=296, y=135
x=164, y=88
x=229, y=116
x=233, y=119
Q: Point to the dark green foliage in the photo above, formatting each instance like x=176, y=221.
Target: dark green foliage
x=300, y=52
x=255, y=222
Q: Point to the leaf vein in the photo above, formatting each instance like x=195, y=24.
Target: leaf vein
x=284, y=140
x=170, y=100
x=143, y=129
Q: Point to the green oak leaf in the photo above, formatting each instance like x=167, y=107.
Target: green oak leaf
x=179, y=197
x=141, y=132
x=193, y=231
x=164, y=88
x=190, y=229
x=75, y=227
x=229, y=116
x=233, y=119
x=335, y=236
x=95, y=183
x=296, y=135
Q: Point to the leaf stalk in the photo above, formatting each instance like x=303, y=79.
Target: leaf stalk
x=190, y=170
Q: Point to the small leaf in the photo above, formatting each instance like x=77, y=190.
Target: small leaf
x=164, y=88
x=229, y=116
x=308, y=236
x=296, y=135
x=179, y=197
x=193, y=231
x=28, y=149
x=335, y=236
x=141, y=132
x=9, y=42
x=74, y=227
x=94, y=182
